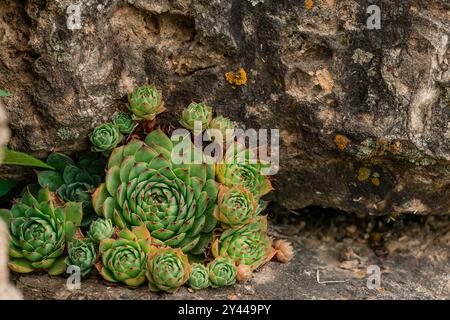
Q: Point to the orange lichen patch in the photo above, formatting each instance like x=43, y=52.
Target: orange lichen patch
x=309, y=4
x=341, y=142
x=376, y=181
x=363, y=174
x=238, y=79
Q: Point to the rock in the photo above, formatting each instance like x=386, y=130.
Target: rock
x=7, y=290
x=4, y=130
x=363, y=114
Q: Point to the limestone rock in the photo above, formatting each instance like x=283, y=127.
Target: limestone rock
x=363, y=114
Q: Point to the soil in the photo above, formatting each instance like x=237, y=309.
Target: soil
x=332, y=253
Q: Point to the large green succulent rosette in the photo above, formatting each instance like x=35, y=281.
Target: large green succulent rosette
x=39, y=230
x=239, y=168
x=125, y=259
x=249, y=245
x=144, y=187
x=168, y=269
x=199, y=277
x=222, y=272
x=196, y=112
x=145, y=103
x=81, y=253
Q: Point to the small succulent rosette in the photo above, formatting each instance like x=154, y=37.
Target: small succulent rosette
x=82, y=254
x=221, y=125
x=249, y=245
x=198, y=113
x=100, y=229
x=105, y=137
x=240, y=168
x=145, y=103
x=236, y=206
x=124, y=121
x=125, y=259
x=199, y=277
x=222, y=272
x=168, y=269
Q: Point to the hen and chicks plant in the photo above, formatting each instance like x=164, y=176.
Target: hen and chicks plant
x=151, y=214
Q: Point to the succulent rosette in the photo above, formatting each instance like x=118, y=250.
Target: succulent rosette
x=125, y=259
x=100, y=229
x=240, y=167
x=221, y=124
x=124, y=122
x=249, y=245
x=74, y=181
x=196, y=112
x=38, y=232
x=222, y=272
x=236, y=206
x=105, y=137
x=145, y=103
x=168, y=269
x=199, y=277
x=144, y=187
x=81, y=253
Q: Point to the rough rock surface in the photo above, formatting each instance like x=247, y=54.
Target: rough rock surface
x=7, y=290
x=412, y=254
x=363, y=114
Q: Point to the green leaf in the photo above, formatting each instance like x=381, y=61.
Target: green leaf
x=20, y=266
x=59, y=161
x=69, y=230
x=22, y=159
x=6, y=186
x=74, y=212
x=4, y=93
x=59, y=267
x=5, y=215
x=51, y=179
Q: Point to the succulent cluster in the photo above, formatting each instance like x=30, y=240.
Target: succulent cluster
x=74, y=181
x=151, y=215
